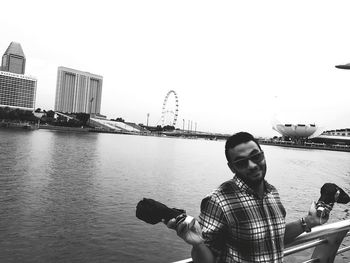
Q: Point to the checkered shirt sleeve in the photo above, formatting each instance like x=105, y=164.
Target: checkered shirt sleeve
x=213, y=224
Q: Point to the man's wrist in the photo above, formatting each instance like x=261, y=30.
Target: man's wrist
x=312, y=221
x=197, y=245
x=306, y=224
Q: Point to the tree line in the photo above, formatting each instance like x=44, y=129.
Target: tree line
x=49, y=117
x=10, y=114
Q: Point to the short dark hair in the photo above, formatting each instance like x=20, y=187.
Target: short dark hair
x=238, y=138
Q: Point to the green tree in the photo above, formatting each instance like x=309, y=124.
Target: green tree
x=168, y=128
x=83, y=118
x=2, y=114
x=14, y=114
x=50, y=114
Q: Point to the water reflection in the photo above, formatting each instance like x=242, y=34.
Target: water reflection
x=72, y=196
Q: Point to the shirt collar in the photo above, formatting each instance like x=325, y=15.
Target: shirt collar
x=244, y=187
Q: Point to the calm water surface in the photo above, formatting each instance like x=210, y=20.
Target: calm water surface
x=71, y=197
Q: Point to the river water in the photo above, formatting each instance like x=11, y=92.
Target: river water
x=71, y=197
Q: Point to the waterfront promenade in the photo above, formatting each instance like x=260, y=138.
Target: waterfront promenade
x=307, y=145
x=263, y=141
x=188, y=135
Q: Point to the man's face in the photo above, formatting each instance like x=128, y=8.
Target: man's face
x=248, y=163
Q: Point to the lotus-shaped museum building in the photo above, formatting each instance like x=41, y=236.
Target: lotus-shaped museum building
x=296, y=130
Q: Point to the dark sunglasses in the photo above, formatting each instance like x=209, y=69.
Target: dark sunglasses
x=243, y=163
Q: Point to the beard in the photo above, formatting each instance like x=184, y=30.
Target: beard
x=251, y=179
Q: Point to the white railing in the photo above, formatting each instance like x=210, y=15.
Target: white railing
x=325, y=240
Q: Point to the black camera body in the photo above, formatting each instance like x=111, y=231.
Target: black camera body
x=330, y=194
x=153, y=212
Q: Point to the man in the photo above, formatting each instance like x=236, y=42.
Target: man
x=243, y=220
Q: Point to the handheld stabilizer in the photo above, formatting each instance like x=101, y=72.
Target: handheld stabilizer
x=330, y=194
x=153, y=212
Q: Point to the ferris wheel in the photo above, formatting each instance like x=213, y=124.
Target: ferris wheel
x=170, y=109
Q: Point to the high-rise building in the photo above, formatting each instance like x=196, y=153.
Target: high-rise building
x=78, y=91
x=14, y=60
x=16, y=89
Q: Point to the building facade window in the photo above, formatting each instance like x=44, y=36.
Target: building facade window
x=17, y=91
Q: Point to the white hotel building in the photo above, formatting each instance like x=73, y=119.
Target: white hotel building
x=78, y=91
x=17, y=91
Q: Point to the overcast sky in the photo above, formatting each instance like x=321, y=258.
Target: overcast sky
x=235, y=65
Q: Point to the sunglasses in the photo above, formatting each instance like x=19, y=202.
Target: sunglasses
x=243, y=163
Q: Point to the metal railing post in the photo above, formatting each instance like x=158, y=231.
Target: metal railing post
x=325, y=240
x=325, y=253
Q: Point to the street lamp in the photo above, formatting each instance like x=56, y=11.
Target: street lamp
x=91, y=100
x=346, y=66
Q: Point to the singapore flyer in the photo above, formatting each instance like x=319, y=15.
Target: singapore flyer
x=170, y=109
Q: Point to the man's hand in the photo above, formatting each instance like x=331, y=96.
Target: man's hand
x=312, y=219
x=190, y=232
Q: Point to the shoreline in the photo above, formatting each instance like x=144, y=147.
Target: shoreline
x=286, y=144
x=309, y=146
x=61, y=128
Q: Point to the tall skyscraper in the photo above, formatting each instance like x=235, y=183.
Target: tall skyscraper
x=16, y=89
x=78, y=91
x=14, y=60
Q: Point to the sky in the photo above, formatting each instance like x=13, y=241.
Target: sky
x=234, y=65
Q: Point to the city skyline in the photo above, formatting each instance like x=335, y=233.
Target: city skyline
x=234, y=66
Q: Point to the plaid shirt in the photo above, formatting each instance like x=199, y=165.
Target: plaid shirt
x=238, y=226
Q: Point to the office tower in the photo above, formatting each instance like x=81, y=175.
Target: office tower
x=16, y=89
x=78, y=91
x=14, y=60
